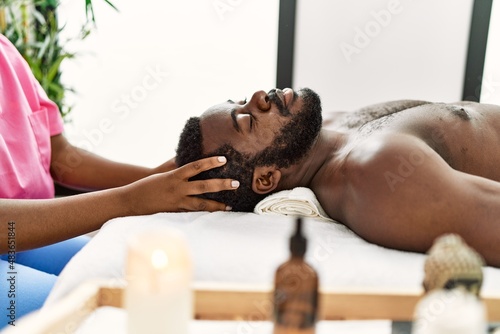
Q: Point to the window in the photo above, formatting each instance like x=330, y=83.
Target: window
x=490, y=87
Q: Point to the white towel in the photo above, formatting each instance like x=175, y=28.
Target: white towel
x=297, y=201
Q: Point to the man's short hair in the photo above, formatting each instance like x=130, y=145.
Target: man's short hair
x=238, y=167
x=291, y=145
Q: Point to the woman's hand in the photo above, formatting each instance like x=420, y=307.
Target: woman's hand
x=172, y=192
x=165, y=167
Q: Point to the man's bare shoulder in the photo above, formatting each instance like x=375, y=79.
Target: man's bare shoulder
x=381, y=169
x=378, y=151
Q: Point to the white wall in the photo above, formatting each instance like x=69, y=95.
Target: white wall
x=490, y=88
x=201, y=52
x=418, y=51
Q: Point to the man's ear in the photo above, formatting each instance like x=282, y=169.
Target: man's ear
x=265, y=179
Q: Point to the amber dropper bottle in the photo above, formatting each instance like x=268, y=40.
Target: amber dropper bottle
x=296, y=290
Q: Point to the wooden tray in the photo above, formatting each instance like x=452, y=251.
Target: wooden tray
x=228, y=302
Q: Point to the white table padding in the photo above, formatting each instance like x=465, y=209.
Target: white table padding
x=247, y=248
x=112, y=320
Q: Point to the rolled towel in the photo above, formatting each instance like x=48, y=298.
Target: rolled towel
x=297, y=201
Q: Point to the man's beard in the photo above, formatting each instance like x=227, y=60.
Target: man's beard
x=297, y=137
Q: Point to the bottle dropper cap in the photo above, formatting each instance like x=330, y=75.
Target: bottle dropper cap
x=298, y=242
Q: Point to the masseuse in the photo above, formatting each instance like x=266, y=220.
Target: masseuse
x=34, y=154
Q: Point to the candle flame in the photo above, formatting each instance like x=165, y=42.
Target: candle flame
x=159, y=259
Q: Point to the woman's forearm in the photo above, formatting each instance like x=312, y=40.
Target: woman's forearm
x=79, y=169
x=38, y=223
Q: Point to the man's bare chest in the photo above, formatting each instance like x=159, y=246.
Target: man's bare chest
x=466, y=137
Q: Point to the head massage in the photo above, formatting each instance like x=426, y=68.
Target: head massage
x=290, y=144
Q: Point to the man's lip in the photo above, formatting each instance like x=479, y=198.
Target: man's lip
x=288, y=96
x=281, y=96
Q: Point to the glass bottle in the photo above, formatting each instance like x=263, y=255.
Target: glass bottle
x=296, y=290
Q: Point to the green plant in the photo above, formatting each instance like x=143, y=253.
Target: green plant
x=32, y=26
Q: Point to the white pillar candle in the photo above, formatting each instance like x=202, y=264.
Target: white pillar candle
x=158, y=297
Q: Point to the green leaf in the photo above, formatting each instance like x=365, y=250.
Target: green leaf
x=42, y=48
x=35, y=67
x=89, y=9
x=56, y=88
x=39, y=17
x=54, y=69
x=112, y=6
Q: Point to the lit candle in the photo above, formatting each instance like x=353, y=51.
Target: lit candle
x=158, y=297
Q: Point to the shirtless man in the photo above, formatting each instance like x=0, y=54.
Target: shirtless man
x=398, y=174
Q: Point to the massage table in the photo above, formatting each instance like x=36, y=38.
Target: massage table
x=364, y=287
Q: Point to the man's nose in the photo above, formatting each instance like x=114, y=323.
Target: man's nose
x=261, y=100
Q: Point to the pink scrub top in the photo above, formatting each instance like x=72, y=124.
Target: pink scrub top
x=27, y=121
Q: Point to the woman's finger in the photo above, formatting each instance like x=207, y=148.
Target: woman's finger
x=196, y=167
x=211, y=186
x=201, y=204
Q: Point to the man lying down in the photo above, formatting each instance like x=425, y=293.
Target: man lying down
x=399, y=174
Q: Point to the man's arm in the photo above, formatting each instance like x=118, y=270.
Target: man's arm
x=41, y=222
x=405, y=195
x=344, y=121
